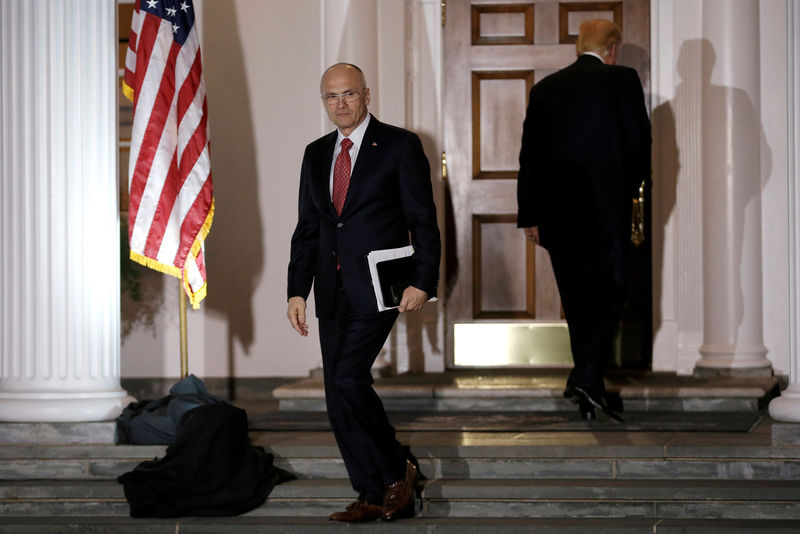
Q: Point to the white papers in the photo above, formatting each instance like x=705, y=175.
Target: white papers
x=377, y=256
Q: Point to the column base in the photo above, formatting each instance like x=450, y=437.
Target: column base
x=732, y=361
x=53, y=407
x=747, y=372
x=786, y=408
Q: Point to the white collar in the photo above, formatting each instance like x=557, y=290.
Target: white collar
x=357, y=135
x=595, y=54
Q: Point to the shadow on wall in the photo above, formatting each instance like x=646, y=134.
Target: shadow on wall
x=235, y=247
x=638, y=58
x=665, y=175
x=733, y=176
x=424, y=325
x=731, y=109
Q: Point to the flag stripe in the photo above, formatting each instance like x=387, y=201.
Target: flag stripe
x=149, y=118
x=133, y=37
x=156, y=154
x=195, y=217
x=182, y=211
x=192, y=138
x=191, y=113
x=159, y=224
x=166, y=216
x=171, y=203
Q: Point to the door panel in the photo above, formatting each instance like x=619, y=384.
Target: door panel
x=503, y=268
x=498, y=100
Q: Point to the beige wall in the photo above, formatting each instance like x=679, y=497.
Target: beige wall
x=262, y=63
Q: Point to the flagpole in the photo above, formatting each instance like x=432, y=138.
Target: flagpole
x=182, y=313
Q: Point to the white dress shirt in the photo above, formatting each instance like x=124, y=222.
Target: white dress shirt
x=356, y=136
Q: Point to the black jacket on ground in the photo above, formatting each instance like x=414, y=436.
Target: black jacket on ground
x=212, y=469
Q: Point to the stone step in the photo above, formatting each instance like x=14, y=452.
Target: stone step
x=58, y=433
x=789, y=511
x=768, y=500
x=317, y=525
x=578, y=455
x=522, y=404
x=455, y=489
x=441, y=445
x=484, y=390
x=476, y=468
x=614, y=490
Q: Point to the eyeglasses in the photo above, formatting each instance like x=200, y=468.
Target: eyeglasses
x=331, y=99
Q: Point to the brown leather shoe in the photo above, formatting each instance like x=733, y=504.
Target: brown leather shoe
x=358, y=512
x=398, y=501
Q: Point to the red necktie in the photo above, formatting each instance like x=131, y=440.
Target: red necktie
x=341, y=175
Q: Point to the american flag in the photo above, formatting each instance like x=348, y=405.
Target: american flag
x=171, y=202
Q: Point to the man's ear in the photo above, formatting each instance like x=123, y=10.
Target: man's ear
x=610, y=58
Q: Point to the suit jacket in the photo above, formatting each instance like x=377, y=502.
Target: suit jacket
x=585, y=150
x=389, y=196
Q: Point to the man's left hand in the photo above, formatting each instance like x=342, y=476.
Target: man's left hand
x=413, y=299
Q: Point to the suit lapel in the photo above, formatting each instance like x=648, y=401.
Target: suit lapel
x=368, y=156
x=322, y=172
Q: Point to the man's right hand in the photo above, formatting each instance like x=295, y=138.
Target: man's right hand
x=297, y=315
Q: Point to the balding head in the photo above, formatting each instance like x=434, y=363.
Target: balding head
x=342, y=68
x=600, y=36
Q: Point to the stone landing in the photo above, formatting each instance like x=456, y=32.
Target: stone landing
x=524, y=390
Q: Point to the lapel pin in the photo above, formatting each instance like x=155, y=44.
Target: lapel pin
x=374, y=143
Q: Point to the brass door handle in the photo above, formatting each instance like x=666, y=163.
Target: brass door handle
x=637, y=218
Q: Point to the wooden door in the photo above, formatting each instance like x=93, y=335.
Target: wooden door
x=503, y=307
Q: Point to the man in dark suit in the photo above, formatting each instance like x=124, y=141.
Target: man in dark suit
x=365, y=186
x=585, y=150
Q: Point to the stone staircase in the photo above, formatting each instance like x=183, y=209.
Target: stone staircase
x=495, y=482
x=60, y=478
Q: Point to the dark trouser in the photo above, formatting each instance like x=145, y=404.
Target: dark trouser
x=592, y=293
x=350, y=343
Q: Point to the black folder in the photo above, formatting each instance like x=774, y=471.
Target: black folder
x=394, y=276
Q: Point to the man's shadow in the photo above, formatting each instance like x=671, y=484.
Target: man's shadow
x=733, y=110
x=732, y=185
x=424, y=325
x=235, y=248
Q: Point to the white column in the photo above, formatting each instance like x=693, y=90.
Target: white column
x=676, y=28
x=787, y=406
x=59, y=239
x=732, y=295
